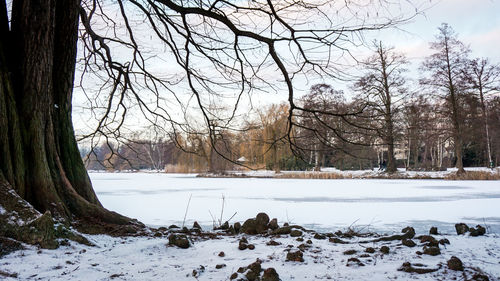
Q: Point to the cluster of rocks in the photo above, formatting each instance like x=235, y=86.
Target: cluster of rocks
x=263, y=225
x=462, y=229
x=166, y=231
x=295, y=255
x=243, y=244
x=255, y=272
x=259, y=225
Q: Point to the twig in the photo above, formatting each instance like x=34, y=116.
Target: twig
x=213, y=219
x=222, y=209
x=232, y=216
x=187, y=207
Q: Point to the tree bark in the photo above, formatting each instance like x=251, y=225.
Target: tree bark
x=39, y=155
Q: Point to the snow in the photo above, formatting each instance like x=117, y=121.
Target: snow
x=385, y=206
x=2, y=210
x=378, y=204
x=151, y=259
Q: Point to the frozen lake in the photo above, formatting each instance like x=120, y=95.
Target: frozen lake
x=161, y=199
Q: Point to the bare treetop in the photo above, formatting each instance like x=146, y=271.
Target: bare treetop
x=202, y=56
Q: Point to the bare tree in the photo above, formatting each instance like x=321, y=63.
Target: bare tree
x=443, y=71
x=274, y=126
x=484, y=78
x=318, y=131
x=383, y=89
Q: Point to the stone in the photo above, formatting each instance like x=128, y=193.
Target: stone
x=273, y=243
x=350, y=252
x=242, y=246
x=444, y=241
x=429, y=240
x=273, y=224
x=283, y=230
x=384, y=249
x=255, y=266
x=370, y=250
x=297, y=256
x=249, y=227
x=270, y=274
x=295, y=233
x=303, y=247
x=8, y=246
x=231, y=230
x=354, y=262
x=219, y=266
x=257, y=225
x=222, y=254
x=433, y=231
x=237, y=227
x=432, y=251
x=319, y=236
x=251, y=247
x=419, y=269
x=233, y=276
x=262, y=220
x=480, y=277
x=478, y=231
x=455, y=263
x=461, y=228
x=252, y=275
x=408, y=232
x=41, y=231
x=196, y=225
x=408, y=243
x=5, y=274
x=180, y=241
x=337, y=241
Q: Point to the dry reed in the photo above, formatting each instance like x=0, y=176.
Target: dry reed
x=313, y=175
x=474, y=175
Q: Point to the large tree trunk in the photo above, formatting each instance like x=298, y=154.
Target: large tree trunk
x=39, y=156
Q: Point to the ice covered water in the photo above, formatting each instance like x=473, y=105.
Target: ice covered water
x=366, y=204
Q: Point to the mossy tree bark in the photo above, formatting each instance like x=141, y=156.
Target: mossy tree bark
x=39, y=157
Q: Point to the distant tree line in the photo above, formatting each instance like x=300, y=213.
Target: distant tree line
x=449, y=117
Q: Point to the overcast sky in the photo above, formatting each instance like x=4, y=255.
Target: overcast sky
x=477, y=23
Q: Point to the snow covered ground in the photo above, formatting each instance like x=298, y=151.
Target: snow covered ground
x=385, y=206
x=372, y=204
x=151, y=259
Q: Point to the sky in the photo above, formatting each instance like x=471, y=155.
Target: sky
x=477, y=23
